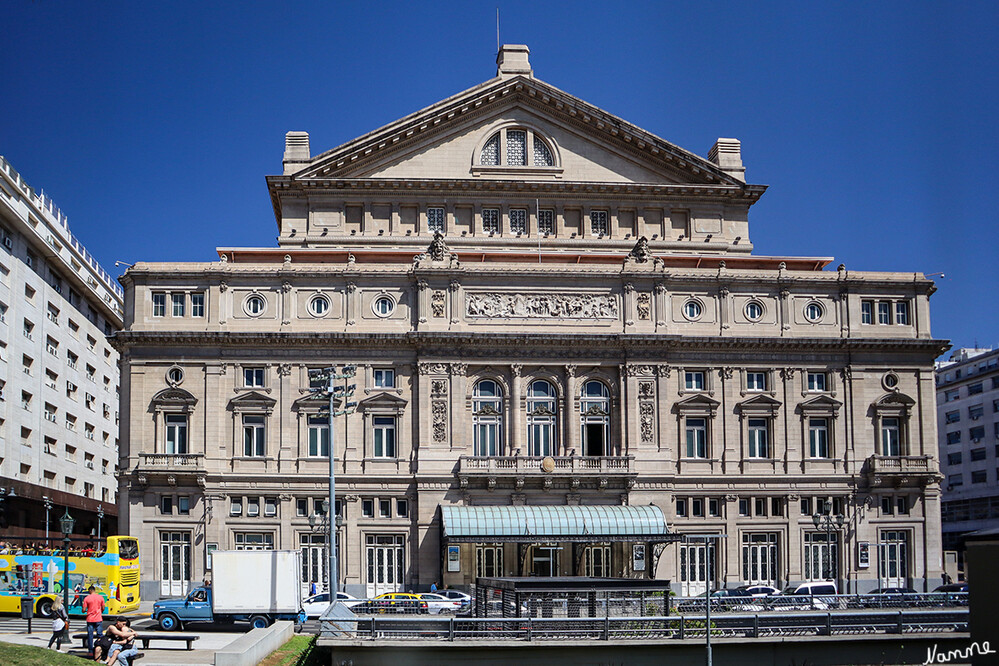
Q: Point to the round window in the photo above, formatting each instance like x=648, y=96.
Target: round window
x=692, y=310
x=255, y=305
x=813, y=312
x=319, y=306
x=754, y=310
x=175, y=376
x=890, y=381
x=383, y=306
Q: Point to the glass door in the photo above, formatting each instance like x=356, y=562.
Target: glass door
x=384, y=564
x=893, y=559
x=175, y=563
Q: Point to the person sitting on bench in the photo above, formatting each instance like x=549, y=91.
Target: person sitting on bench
x=102, y=644
x=124, y=642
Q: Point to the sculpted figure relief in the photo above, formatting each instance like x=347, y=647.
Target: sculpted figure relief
x=542, y=306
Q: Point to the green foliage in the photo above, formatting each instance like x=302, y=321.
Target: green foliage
x=298, y=651
x=29, y=655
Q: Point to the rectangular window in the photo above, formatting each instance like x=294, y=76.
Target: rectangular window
x=253, y=435
x=975, y=389
x=252, y=507
x=159, y=304
x=776, y=506
x=178, y=304
x=402, y=508
x=368, y=508
x=902, y=504
x=760, y=507
x=756, y=381
x=714, y=508
x=951, y=395
x=816, y=382
x=887, y=506
x=952, y=417
x=978, y=476
x=166, y=505
x=253, y=541
x=759, y=438
x=546, y=222
x=955, y=480
x=696, y=429
x=697, y=507
x=176, y=433
x=884, y=312
x=681, y=508
x=954, y=437
x=253, y=377
x=806, y=506
x=270, y=506
x=978, y=454
x=977, y=433
x=902, y=313
x=384, y=436
x=319, y=436
x=598, y=223
x=867, y=312
x=197, y=305
x=384, y=378
x=384, y=508
x=954, y=458
x=743, y=507
x=301, y=507
x=818, y=438
x=183, y=505
x=490, y=220
x=891, y=444
x=435, y=219
x=693, y=381
x=518, y=221
x=516, y=147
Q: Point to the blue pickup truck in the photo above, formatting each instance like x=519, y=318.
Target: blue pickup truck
x=258, y=587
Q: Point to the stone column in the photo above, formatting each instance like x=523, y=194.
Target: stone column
x=351, y=295
x=516, y=429
x=422, y=302
x=569, y=416
x=629, y=305
x=661, y=304
x=457, y=311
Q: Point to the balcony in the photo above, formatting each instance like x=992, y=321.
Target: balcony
x=182, y=462
x=570, y=472
x=900, y=470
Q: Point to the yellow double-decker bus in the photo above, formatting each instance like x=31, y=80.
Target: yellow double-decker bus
x=38, y=572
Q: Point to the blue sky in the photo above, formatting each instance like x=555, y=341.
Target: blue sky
x=152, y=125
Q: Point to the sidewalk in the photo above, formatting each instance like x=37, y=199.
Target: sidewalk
x=202, y=655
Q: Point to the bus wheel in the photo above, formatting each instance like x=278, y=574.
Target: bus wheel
x=169, y=622
x=260, y=622
x=45, y=607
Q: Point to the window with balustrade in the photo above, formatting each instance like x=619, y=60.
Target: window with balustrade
x=487, y=417
x=542, y=413
x=594, y=407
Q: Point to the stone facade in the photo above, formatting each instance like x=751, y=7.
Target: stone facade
x=547, y=306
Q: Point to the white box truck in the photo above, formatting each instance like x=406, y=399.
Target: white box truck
x=255, y=586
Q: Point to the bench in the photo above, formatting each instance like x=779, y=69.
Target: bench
x=83, y=642
x=144, y=638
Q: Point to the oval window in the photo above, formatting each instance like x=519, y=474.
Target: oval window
x=255, y=305
x=175, y=375
x=319, y=306
x=813, y=312
x=383, y=306
x=754, y=310
x=890, y=381
x=692, y=310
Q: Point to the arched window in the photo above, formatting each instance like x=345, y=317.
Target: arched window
x=594, y=418
x=541, y=418
x=487, y=417
x=516, y=147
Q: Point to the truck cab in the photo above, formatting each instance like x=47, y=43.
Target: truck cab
x=195, y=607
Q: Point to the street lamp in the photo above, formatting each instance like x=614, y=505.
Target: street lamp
x=66, y=525
x=829, y=523
x=100, y=516
x=48, y=507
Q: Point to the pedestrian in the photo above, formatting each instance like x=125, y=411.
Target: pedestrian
x=124, y=642
x=60, y=624
x=93, y=606
x=433, y=587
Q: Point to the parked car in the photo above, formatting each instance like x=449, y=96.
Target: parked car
x=437, y=604
x=760, y=590
x=317, y=604
x=466, y=601
x=393, y=602
x=812, y=595
x=951, y=594
x=721, y=600
x=895, y=597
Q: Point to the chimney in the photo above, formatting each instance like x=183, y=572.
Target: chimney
x=727, y=154
x=512, y=61
x=296, y=151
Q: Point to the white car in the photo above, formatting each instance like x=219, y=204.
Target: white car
x=455, y=595
x=437, y=604
x=317, y=604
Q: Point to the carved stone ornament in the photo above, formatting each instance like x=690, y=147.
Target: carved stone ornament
x=422, y=285
x=439, y=411
x=488, y=410
x=516, y=369
x=640, y=253
x=541, y=306
x=172, y=480
x=284, y=369
x=437, y=303
x=223, y=286
x=433, y=368
x=647, y=411
x=644, y=305
x=629, y=288
x=437, y=250
x=285, y=287
x=459, y=369
x=640, y=370
x=594, y=410
x=454, y=285
x=438, y=388
x=731, y=498
x=570, y=371
x=664, y=371
x=646, y=390
x=351, y=287
x=787, y=374
x=725, y=373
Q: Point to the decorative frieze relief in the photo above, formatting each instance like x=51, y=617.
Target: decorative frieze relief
x=433, y=368
x=541, y=306
x=438, y=411
x=438, y=388
x=644, y=305
x=647, y=414
x=646, y=390
x=437, y=304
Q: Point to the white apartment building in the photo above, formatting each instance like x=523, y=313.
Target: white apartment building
x=968, y=420
x=58, y=372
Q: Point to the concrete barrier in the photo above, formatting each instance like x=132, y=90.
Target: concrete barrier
x=250, y=649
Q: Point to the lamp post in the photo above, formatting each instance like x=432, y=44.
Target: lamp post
x=48, y=507
x=100, y=517
x=66, y=525
x=829, y=523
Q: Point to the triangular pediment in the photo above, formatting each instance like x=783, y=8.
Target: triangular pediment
x=759, y=403
x=697, y=401
x=382, y=400
x=314, y=402
x=252, y=401
x=823, y=402
x=442, y=141
x=174, y=396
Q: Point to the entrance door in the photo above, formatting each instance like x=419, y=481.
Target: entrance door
x=175, y=563
x=544, y=561
x=893, y=559
x=759, y=559
x=697, y=567
x=385, y=564
x=315, y=562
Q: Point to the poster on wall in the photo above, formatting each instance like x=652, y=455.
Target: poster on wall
x=863, y=555
x=638, y=557
x=453, y=563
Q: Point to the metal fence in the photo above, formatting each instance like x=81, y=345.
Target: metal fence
x=755, y=625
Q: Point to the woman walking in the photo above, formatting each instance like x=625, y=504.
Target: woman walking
x=60, y=624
